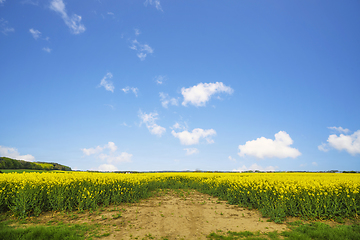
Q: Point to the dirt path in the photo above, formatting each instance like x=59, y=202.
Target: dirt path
x=172, y=214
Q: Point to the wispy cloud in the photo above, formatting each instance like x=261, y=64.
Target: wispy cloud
x=160, y=79
x=339, y=129
x=5, y=29
x=268, y=148
x=108, y=85
x=191, y=138
x=35, y=33
x=142, y=49
x=35, y=3
x=155, y=3
x=137, y=32
x=149, y=121
x=13, y=153
x=133, y=89
x=2, y=1
x=74, y=22
x=200, y=94
x=349, y=143
x=110, y=105
x=191, y=151
x=46, y=49
x=166, y=100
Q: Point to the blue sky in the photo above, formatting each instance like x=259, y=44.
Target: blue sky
x=181, y=85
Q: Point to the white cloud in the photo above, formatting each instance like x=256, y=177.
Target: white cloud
x=254, y=167
x=165, y=100
x=156, y=3
x=2, y=1
x=190, y=138
x=149, y=121
x=74, y=22
x=160, y=79
x=13, y=153
x=4, y=27
x=137, y=32
x=200, y=94
x=35, y=33
x=108, y=85
x=46, y=49
x=263, y=147
x=339, y=129
x=91, y=151
x=107, y=167
x=314, y=163
x=133, y=89
x=190, y=151
x=111, y=156
x=232, y=159
x=142, y=49
x=349, y=143
x=110, y=13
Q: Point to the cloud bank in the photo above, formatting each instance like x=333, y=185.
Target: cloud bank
x=254, y=167
x=108, y=153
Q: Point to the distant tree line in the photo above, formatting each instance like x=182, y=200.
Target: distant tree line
x=9, y=163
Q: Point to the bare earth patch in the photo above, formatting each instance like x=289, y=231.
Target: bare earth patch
x=170, y=214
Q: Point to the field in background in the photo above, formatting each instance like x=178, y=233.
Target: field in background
x=276, y=195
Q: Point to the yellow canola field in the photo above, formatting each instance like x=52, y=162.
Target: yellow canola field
x=313, y=195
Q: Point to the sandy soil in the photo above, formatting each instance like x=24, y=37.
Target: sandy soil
x=170, y=214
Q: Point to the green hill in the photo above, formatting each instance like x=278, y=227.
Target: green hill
x=9, y=163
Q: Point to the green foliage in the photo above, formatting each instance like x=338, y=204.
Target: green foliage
x=246, y=235
x=323, y=231
x=60, y=232
x=299, y=231
x=9, y=163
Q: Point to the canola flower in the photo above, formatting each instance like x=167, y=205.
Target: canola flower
x=314, y=195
